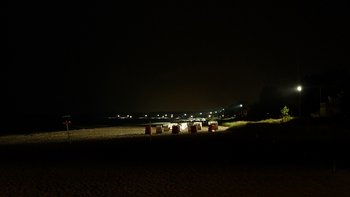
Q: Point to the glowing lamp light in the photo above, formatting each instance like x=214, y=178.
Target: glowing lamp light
x=299, y=88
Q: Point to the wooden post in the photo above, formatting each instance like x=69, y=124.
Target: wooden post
x=67, y=122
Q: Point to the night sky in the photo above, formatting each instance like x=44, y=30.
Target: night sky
x=97, y=57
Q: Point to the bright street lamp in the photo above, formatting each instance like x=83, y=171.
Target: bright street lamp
x=299, y=88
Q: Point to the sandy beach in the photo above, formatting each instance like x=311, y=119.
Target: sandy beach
x=86, y=134
x=227, y=163
x=109, y=179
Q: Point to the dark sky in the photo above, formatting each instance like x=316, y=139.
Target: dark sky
x=92, y=57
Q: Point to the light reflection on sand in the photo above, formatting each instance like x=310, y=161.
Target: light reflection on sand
x=84, y=134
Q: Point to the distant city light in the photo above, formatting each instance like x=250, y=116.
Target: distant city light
x=200, y=113
x=209, y=116
x=240, y=105
x=210, y=112
x=191, y=116
x=185, y=114
x=171, y=115
x=146, y=115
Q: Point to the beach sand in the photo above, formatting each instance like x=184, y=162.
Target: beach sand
x=86, y=134
x=110, y=179
x=227, y=163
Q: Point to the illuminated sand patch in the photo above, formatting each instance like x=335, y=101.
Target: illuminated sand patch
x=85, y=134
x=243, y=123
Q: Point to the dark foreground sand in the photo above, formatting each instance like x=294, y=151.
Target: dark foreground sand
x=107, y=179
x=254, y=161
